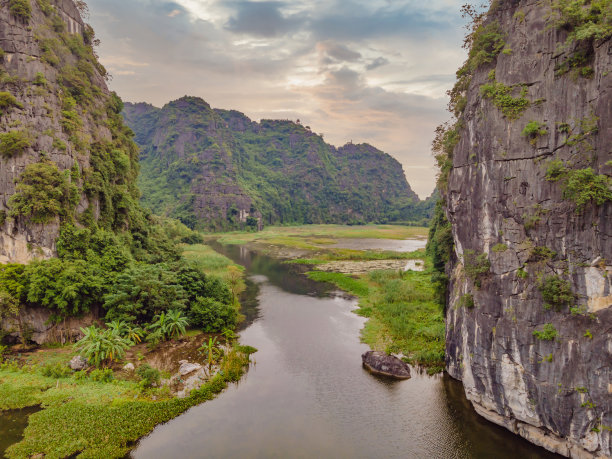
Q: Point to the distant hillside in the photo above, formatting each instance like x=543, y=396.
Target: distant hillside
x=213, y=169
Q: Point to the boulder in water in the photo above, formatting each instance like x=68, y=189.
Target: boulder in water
x=383, y=364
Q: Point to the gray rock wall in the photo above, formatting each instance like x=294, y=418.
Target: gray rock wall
x=555, y=393
x=21, y=240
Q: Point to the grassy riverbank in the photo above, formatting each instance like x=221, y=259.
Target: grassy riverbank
x=96, y=418
x=403, y=314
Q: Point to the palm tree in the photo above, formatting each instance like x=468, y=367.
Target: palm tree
x=99, y=345
x=212, y=352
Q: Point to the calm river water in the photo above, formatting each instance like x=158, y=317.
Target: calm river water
x=307, y=395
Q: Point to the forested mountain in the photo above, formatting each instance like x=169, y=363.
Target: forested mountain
x=217, y=169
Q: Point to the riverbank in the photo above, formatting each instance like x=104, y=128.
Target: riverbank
x=394, y=288
x=102, y=412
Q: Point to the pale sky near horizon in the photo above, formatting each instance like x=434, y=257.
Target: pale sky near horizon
x=373, y=71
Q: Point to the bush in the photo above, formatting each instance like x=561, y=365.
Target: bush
x=43, y=192
x=102, y=375
x=556, y=292
x=476, y=265
x=501, y=96
x=497, y=248
x=56, y=371
x=542, y=253
x=548, y=333
x=487, y=43
x=21, y=9
x=584, y=186
x=148, y=375
x=7, y=100
x=99, y=346
x=14, y=143
x=534, y=129
x=170, y=325
x=212, y=316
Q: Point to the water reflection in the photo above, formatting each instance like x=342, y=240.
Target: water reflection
x=308, y=395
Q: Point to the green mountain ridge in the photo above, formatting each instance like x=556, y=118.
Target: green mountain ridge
x=217, y=169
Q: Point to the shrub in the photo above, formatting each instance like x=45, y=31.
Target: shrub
x=548, y=333
x=521, y=273
x=56, y=371
x=169, y=325
x=21, y=9
x=533, y=129
x=212, y=316
x=39, y=79
x=487, y=43
x=497, y=248
x=148, y=375
x=43, y=192
x=501, y=96
x=14, y=143
x=103, y=375
x=476, y=265
x=556, y=170
x=541, y=254
x=584, y=186
x=99, y=346
x=466, y=301
x=8, y=100
x=556, y=292
x=585, y=19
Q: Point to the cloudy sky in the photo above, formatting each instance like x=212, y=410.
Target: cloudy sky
x=371, y=71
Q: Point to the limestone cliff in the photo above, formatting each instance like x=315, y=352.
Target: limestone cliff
x=528, y=193
x=215, y=168
x=64, y=153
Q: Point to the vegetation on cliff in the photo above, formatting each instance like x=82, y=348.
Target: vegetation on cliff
x=217, y=169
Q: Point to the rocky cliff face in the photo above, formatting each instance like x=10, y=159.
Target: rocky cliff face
x=64, y=154
x=528, y=194
x=215, y=168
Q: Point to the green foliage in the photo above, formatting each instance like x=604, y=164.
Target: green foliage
x=440, y=248
x=102, y=375
x=56, y=371
x=14, y=143
x=211, y=352
x=169, y=325
x=533, y=129
x=581, y=186
x=42, y=193
x=497, y=248
x=584, y=19
x=21, y=9
x=211, y=315
x=556, y=292
x=68, y=288
x=542, y=254
x=105, y=419
x=355, y=286
x=487, y=41
x=290, y=173
x=466, y=301
x=39, y=79
x=446, y=139
x=548, y=333
x=148, y=375
x=476, y=265
x=101, y=345
x=521, y=273
x=588, y=334
x=7, y=100
x=502, y=97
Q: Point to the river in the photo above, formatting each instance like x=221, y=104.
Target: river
x=307, y=395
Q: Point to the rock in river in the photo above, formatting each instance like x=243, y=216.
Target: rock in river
x=380, y=363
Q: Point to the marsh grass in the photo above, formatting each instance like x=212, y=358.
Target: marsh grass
x=311, y=235
x=208, y=260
